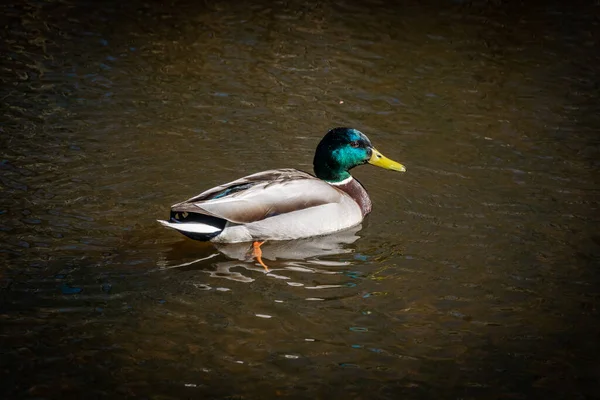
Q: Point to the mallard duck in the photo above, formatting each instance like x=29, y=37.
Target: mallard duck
x=284, y=204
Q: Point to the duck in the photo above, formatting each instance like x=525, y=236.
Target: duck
x=286, y=204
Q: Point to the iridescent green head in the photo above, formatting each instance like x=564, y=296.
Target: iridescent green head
x=343, y=149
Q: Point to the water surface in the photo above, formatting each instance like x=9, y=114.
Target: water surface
x=476, y=275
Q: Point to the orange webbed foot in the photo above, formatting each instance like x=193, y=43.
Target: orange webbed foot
x=257, y=253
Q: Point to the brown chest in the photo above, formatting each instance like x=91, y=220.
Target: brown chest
x=358, y=193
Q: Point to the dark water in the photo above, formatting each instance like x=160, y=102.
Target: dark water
x=476, y=276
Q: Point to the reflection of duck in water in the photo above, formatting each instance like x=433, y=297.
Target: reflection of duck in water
x=301, y=255
x=286, y=204
x=301, y=249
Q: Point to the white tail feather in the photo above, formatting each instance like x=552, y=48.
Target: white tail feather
x=192, y=227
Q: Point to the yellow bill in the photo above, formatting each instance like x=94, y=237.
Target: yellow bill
x=382, y=161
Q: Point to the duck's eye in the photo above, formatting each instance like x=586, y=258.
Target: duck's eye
x=354, y=143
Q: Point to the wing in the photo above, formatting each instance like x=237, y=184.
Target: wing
x=262, y=195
